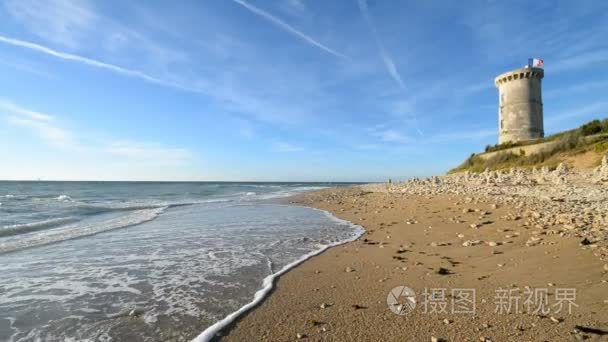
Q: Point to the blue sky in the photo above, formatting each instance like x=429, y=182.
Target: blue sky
x=293, y=90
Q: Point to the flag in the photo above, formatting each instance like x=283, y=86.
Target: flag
x=536, y=63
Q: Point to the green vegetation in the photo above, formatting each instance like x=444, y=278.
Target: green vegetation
x=590, y=128
x=592, y=136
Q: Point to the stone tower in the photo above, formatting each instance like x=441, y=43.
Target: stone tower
x=520, y=108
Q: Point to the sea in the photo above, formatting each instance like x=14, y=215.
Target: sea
x=148, y=261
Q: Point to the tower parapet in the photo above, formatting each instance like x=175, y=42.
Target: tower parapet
x=520, y=109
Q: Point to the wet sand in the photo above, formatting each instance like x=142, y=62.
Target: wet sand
x=419, y=242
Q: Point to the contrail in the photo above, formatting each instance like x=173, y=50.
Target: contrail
x=389, y=64
x=290, y=29
x=92, y=62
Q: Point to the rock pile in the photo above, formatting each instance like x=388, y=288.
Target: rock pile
x=563, y=201
x=602, y=171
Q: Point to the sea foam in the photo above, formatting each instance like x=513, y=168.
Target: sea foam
x=80, y=229
x=268, y=282
x=16, y=229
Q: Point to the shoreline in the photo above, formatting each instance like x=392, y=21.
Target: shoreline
x=214, y=331
x=341, y=293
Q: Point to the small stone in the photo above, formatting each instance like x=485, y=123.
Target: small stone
x=300, y=336
x=555, y=320
x=461, y=236
x=348, y=270
x=447, y=321
x=606, y=267
x=492, y=244
x=443, y=271
x=323, y=305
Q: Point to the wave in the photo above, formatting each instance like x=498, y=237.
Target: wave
x=79, y=230
x=268, y=282
x=16, y=229
x=94, y=208
x=64, y=198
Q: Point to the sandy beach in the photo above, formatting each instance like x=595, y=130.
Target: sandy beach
x=532, y=275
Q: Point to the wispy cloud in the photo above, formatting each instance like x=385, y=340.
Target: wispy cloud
x=26, y=67
x=93, y=63
x=41, y=123
x=234, y=95
x=29, y=114
x=282, y=146
x=387, y=60
x=288, y=28
x=62, y=22
x=392, y=136
x=294, y=7
x=46, y=127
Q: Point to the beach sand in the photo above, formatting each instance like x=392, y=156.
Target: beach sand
x=414, y=241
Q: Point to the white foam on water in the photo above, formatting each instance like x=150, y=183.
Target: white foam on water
x=64, y=198
x=82, y=229
x=289, y=192
x=268, y=282
x=14, y=229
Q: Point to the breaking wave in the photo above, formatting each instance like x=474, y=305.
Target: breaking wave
x=16, y=229
x=73, y=231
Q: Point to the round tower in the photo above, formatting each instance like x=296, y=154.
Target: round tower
x=520, y=107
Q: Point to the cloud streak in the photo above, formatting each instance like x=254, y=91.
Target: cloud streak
x=41, y=123
x=288, y=28
x=45, y=126
x=93, y=63
x=387, y=60
x=281, y=146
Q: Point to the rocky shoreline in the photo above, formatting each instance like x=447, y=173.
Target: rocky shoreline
x=512, y=232
x=564, y=202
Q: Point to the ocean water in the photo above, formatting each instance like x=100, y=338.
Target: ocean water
x=118, y=261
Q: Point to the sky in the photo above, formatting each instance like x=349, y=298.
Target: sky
x=291, y=90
